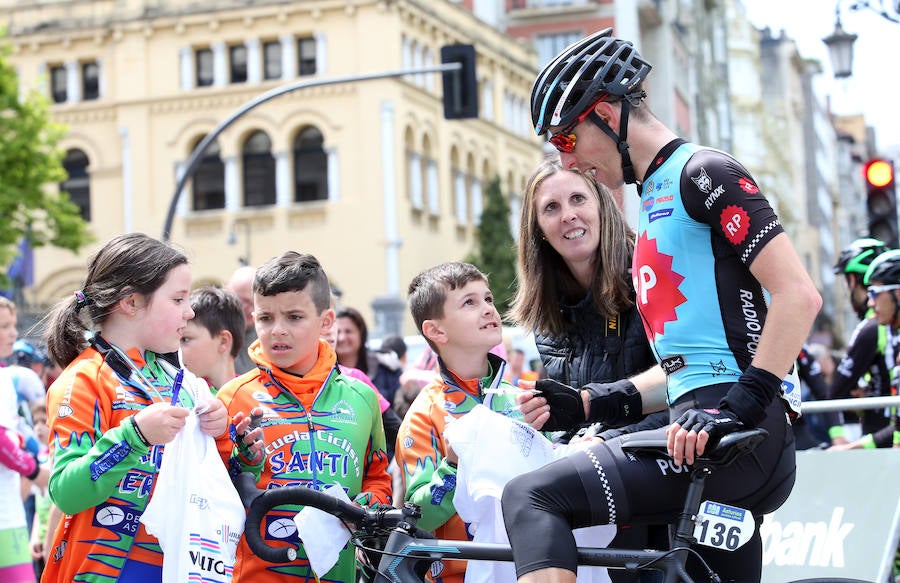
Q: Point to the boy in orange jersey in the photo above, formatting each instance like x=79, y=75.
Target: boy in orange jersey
x=213, y=338
x=454, y=310
x=319, y=426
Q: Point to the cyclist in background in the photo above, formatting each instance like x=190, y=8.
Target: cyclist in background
x=882, y=280
x=862, y=372
x=708, y=244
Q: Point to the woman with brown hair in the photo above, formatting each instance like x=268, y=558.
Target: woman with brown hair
x=575, y=287
x=575, y=292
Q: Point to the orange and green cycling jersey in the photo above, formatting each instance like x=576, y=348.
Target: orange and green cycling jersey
x=319, y=429
x=430, y=480
x=103, y=474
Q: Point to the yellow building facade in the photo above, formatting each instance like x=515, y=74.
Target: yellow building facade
x=366, y=175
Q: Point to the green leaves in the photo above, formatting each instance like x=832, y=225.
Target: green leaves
x=30, y=166
x=496, y=252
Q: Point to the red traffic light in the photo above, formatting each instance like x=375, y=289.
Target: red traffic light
x=879, y=173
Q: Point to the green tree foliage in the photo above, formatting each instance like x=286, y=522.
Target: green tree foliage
x=30, y=163
x=496, y=250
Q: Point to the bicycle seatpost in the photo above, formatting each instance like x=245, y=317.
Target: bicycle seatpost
x=684, y=534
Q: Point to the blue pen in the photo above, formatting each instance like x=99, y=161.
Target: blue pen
x=176, y=386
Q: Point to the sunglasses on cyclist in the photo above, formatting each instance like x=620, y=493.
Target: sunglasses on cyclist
x=564, y=140
x=874, y=290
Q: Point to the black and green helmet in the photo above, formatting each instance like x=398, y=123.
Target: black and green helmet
x=856, y=257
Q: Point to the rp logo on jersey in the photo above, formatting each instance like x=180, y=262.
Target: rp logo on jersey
x=656, y=284
x=747, y=186
x=735, y=223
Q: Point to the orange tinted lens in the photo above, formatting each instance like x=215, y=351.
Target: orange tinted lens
x=563, y=141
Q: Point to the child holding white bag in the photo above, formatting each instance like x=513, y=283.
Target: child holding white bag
x=110, y=411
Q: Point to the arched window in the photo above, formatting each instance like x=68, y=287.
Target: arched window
x=310, y=166
x=430, y=171
x=459, y=187
x=414, y=171
x=78, y=184
x=474, y=188
x=208, y=190
x=259, y=170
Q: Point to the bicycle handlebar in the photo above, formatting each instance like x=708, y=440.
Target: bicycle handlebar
x=259, y=502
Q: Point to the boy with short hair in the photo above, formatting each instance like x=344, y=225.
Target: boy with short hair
x=320, y=427
x=454, y=310
x=213, y=338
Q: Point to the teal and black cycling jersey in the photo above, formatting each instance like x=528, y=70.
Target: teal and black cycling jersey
x=702, y=222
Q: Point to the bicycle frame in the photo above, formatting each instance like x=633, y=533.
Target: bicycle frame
x=409, y=551
x=404, y=552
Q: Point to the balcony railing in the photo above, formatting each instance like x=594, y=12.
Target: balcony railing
x=531, y=4
x=34, y=17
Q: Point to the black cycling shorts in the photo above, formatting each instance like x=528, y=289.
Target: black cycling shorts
x=604, y=485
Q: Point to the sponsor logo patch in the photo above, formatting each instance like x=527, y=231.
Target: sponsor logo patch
x=703, y=182
x=660, y=214
x=735, y=224
x=748, y=186
x=673, y=364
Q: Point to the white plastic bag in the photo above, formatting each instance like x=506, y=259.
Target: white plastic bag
x=493, y=449
x=195, y=512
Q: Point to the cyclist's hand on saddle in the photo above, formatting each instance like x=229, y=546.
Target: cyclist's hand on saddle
x=689, y=435
x=566, y=407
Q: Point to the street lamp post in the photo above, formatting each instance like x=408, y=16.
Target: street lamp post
x=840, y=42
x=232, y=238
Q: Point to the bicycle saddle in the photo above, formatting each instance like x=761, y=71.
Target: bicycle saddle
x=729, y=448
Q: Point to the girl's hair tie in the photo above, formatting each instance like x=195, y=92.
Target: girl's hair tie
x=81, y=300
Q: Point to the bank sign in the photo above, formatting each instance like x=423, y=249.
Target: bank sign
x=841, y=519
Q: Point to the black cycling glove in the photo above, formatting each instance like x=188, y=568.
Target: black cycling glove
x=566, y=406
x=612, y=404
x=751, y=395
x=716, y=422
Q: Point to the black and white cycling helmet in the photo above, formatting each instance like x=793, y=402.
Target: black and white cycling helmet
x=885, y=269
x=583, y=72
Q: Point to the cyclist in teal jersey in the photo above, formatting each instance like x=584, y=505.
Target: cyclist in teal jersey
x=709, y=249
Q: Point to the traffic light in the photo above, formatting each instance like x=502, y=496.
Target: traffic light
x=881, y=201
x=460, y=86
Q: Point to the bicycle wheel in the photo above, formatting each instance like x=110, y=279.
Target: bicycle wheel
x=830, y=580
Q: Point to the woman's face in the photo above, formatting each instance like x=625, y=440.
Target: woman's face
x=568, y=217
x=348, y=338
x=8, y=331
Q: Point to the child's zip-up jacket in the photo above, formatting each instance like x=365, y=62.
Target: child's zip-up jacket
x=430, y=480
x=319, y=429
